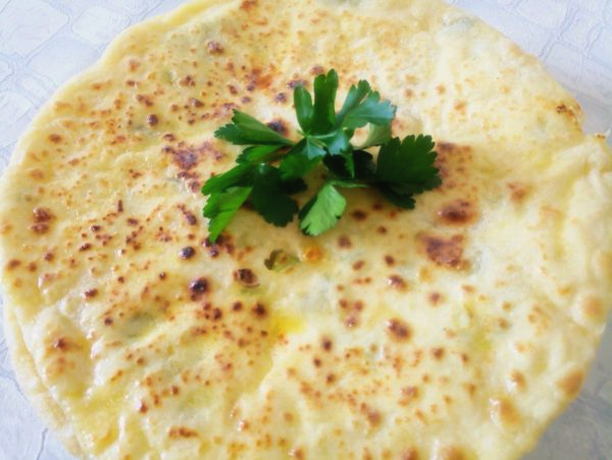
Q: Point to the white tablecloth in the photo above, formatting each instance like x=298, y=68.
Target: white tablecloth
x=43, y=42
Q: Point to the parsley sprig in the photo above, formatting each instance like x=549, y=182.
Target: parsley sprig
x=271, y=168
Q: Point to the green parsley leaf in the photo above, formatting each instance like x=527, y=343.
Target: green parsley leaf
x=269, y=198
x=353, y=99
x=410, y=161
x=222, y=207
x=296, y=165
x=246, y=130
x=365, y=169
x=337, y=142
x=301, y=159
x=293, y=186
x=325, y=89
x=371, y=110
x=336, y=164
x=271, y=168
x=304, y=108
x=238, y=175
x=313, y=149
x=363, y=166
x=397, y=197
x=363, y=106
x=323, y=211
x=259, y=154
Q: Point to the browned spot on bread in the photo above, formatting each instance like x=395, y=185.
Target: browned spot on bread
x=374, y=417
x=217, y=314
x=435, y=298
x=189, y=216
x=55, y=138
x=518, y=380
x=37, y=174
x=259, y=311
x=182, y=432
x=571, y=383
x=214, y=47
x=12, y=264
x=358, y=265
x=410, y=454
x=152, y=119
x=359, y=215
x=445, y=252
x=90, y=293
x=458, y=212
x=42, y=215
x=185, y=159
x=198, y=288
x=593, y=307
x=397, y=282
x=503, y=411
x=460, y=106
x=450, y=453
x=246, y=277
x=563, y=109
x=248, y=4
x=279, y=126
x=295, y=83
x=187, y=253
x=145, y=100
x=408, y=395
x=313, y=254
x=194, y=102
x=352, y=321
x=297, y=452
x=326, y=344
x=258, y=79
x=398, y=329
x=317, y=70
x=344, y=242
x=518, y=191
x=187, y=80
x=85, y=247
x=437, y=353
x=61, y=344
x=453, y=163
x=133, y=65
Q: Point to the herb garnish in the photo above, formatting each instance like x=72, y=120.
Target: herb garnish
x=272, y=168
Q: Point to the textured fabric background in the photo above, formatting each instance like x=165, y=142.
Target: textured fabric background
x=44, y=42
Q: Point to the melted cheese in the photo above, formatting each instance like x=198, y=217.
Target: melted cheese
x=457, y=330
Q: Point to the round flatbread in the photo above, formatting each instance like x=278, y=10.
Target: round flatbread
x=455, y=330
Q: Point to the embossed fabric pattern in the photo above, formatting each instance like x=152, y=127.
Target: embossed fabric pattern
x=45, y=42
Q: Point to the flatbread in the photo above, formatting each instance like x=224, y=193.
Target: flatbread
x=456, y=330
